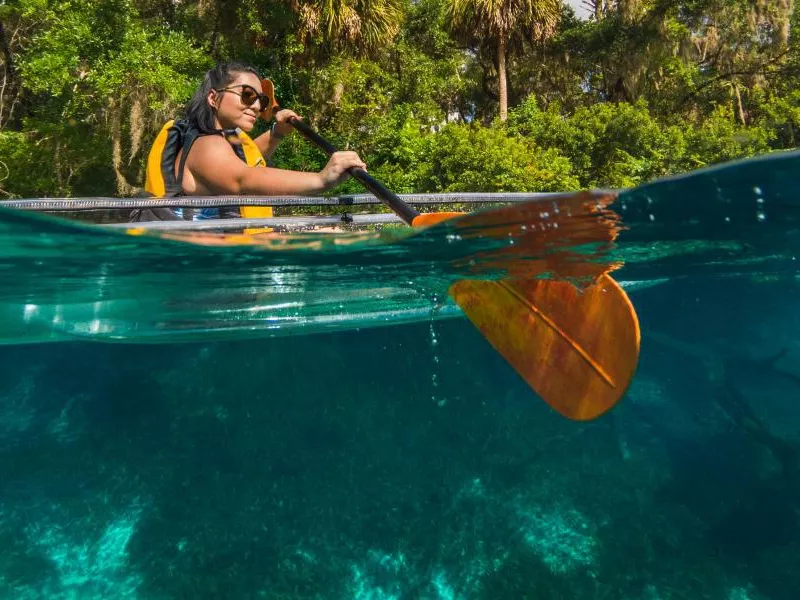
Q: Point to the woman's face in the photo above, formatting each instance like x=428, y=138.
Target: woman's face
x=231, y=111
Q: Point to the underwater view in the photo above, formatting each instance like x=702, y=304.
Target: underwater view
x=312, y=416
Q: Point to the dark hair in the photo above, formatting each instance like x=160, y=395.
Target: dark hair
x=198, y=112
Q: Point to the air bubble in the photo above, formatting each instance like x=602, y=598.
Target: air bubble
x=761, y=216
x=652, y=217
x=434, y=371
x=757, y=191
x=434, y=339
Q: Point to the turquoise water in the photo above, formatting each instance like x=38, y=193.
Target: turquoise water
x=68, y=281
x=317, y=420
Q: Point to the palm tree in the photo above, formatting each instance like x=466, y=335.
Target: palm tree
x=354, y=25
x=498, y=24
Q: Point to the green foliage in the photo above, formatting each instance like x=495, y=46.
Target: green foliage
x=98, y=80
x=464, y=158
x=621, y=144
x=21, y=169
x=398, y=150
x=53, y=160
x=88, y=52
x=779, y=114
x=643, y=89
x=625, y=144
x=719, y=138
x=610, y=145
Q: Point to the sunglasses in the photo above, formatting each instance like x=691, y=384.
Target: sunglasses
x=249, y=95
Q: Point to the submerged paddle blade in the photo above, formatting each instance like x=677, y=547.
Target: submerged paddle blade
x=578, y=349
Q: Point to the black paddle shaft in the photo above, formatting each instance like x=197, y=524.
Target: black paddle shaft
x=403, y=210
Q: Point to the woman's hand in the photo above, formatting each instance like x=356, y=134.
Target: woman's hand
x=335, y=172
x=282, y=125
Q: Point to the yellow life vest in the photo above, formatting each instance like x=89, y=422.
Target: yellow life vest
x=175, y=135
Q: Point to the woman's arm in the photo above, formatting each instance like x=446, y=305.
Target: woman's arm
x=268, y=142
x=213, y=168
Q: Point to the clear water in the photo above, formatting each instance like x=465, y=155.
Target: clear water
x=67, y=281
x=317, y=420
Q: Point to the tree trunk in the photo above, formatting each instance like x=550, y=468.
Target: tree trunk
x=501, y=74
x=7, y=55
x=784, y=22
x=8, y=87
x=599, y=10
x=214, y=40
x=742, y=117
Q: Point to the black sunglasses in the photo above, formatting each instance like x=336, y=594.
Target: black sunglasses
x=250, y=95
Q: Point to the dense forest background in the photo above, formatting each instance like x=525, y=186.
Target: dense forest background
x=436, y=95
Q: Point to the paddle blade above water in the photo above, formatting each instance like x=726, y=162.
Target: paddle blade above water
x=578, y=349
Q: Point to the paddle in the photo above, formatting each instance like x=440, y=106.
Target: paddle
x=577, y=349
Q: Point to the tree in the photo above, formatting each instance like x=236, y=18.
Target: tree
x=351, y=25
x=95, y=82
x=736, y=46
x=500, y=25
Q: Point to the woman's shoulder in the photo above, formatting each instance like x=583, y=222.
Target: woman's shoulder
x=212, y=145
x=211, y=140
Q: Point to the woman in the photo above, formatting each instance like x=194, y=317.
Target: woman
x=211, y=153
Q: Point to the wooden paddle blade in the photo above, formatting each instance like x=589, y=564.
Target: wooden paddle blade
x=577, y=349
